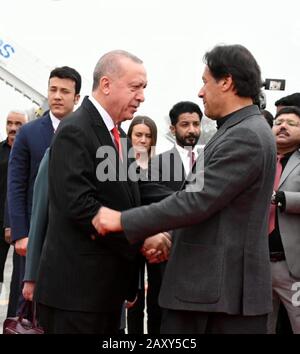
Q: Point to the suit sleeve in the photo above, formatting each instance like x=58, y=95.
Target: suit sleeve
x=38, y=221
x=72, y=176
x=18, y=176
x=292, y=200
x=6, y=221
x=233, y=167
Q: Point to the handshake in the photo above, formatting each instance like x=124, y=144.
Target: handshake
x=155, y=248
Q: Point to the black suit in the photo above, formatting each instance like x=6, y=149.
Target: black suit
x=174, y=176
x=78, y=274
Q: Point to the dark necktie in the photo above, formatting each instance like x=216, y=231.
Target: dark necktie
x=276, y=184
x=116, y=135
x=191, y=156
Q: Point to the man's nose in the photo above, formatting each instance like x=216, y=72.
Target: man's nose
x=201, y=93
x=191, y=128
x=57, y=94
x=140, y=96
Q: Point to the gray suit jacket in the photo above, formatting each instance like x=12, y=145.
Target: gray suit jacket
x=289, y=220
x=219, y=260
x=38, y=221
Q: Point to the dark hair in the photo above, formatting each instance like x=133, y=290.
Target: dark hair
x=235, y=61
x=290, y=100
x=184, y=107
x=289, y=110
x=269, y=117
x=150, y=124
x=65, y=72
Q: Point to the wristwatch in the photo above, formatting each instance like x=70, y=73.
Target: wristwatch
x=273, y=198
x=275, y=201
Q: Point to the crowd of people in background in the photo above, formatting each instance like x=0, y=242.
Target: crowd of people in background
x=205, y=240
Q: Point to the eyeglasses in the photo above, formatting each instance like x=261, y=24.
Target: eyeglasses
x=289, y=122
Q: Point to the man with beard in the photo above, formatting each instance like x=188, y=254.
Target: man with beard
x=15, y=119
x=172, y=166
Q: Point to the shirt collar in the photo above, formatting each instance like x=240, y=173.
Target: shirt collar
x=221, y=121
x=184, y=152
x=103, y=113
x=55, y=121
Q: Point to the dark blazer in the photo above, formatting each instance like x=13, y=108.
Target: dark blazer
x=28, y=150
x=168, y=169
x=289, y=219
x=219, y=260
x=76, y=272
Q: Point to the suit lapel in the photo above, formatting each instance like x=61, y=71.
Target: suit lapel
x=47, y=130
x=235, y=119
x=132, y=187
x=293, y=162
x=105, y=139
x=175, y=158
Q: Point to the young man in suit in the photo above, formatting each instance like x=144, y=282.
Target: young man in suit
x=284, y=242
x=217, y=278
x=185, y=125
x=30, y=145
x=83, y=280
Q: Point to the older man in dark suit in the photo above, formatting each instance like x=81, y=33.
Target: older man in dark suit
x=83, y=280
x=15, y=119
x=217, y=279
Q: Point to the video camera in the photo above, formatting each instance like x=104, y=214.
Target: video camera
x=272, y=85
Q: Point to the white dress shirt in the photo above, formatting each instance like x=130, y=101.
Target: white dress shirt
x=55, y=121
x=185, y=158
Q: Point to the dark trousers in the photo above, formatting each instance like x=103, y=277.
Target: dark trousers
x=192, y=322
x=16, y=284
x=56, y=321
x=4, y=247
x=283, y=325
x=135, y=315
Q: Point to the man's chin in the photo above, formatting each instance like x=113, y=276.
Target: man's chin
x=191, y=143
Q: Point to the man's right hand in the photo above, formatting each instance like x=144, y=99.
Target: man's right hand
x=7, y=235
x=157, y=248
x=21, y=246
x=28, y=290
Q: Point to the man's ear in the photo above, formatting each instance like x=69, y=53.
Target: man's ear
x=77, y=98
x=227, y=83
x=172, y=129
x=105, y=85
